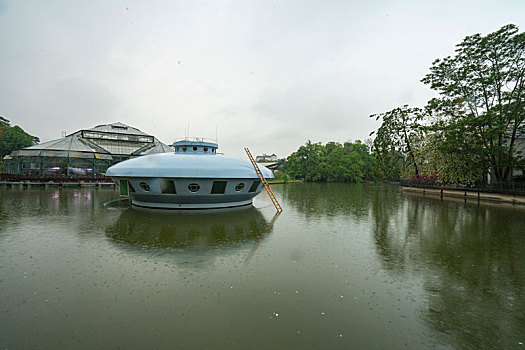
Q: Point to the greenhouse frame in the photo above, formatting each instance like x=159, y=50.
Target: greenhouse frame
x=85, y=153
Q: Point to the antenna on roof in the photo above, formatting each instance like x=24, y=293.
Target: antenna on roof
x=216, y=139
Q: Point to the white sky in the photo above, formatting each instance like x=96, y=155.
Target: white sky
x=269, y=75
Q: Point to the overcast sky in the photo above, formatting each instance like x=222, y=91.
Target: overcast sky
x=266, y=74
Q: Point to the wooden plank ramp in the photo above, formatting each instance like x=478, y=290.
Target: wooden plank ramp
x=263, y=180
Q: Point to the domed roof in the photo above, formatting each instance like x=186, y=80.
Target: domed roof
x=188, y=166
x=118, y=127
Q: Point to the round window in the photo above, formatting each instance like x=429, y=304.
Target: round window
x=144, y=186
x=205, y=149
x=193, y=188
x=184, y=148
x=239, y=187
x=194, y=148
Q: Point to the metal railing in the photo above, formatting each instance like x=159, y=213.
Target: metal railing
x=195, y=139
x=53, y=178
x=508, y=187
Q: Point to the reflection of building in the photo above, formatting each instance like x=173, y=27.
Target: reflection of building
x=87, y=152
x=225, y=228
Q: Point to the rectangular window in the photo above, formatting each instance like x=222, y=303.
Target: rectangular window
x=124, y=188
x=254, y=186
x=167, y=186
x=218, y=187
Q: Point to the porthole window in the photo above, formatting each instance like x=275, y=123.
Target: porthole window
x=144, y=186
x=193, y=188
x=205, y=149
x=194, y=148
x=184, y=148
x=239, y=187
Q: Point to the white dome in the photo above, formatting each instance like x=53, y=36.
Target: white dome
x=174, y=165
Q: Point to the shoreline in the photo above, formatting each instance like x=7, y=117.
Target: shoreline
x=477, y=195
x=27, y=185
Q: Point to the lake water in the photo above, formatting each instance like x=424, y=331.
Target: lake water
x=344, y=266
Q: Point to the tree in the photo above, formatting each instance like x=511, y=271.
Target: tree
x=395, y=138
x=13, y=138
x=306, y=162
x=455, y=159
x=361, y=152
x=482, y=99
x=333, y=162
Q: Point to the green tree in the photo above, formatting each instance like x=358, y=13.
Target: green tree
x=333, y=162
x=481, y=108
x=449, y=149
x=13, y=138
x=395, y=140
x=306, y=162
x=366, y=160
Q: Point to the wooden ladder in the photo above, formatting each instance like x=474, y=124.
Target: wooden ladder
x=265, y=183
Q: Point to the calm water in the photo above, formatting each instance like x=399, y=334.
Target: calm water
x=344, y=266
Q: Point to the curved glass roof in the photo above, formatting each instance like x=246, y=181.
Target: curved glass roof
x=69, y=146
x=118, y=127
x=157, y=147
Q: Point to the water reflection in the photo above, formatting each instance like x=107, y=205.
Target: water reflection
x=470, y=259
x=59, y=201
x=147, y=228
x=314, y=200
x=351, y=260
x=80, y=208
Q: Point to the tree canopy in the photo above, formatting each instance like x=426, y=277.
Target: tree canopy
x=13, y=138
x=472, y=127
x=395, y=140
x=333, y=162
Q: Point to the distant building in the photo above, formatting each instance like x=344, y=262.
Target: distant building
x=87, y=152
x=266, y=158
x=269, y=161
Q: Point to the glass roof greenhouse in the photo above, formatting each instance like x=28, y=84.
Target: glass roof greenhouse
x=87, y=152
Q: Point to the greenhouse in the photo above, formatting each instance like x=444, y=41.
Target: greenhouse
x=120, y=140
x=70, y=155
x=85, y=153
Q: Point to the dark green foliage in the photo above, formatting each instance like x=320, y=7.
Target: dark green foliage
x=395, y=141
x=473, y=125
x=480, y=110
x=280, y=176
x=13, y=138
x=333, y=162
